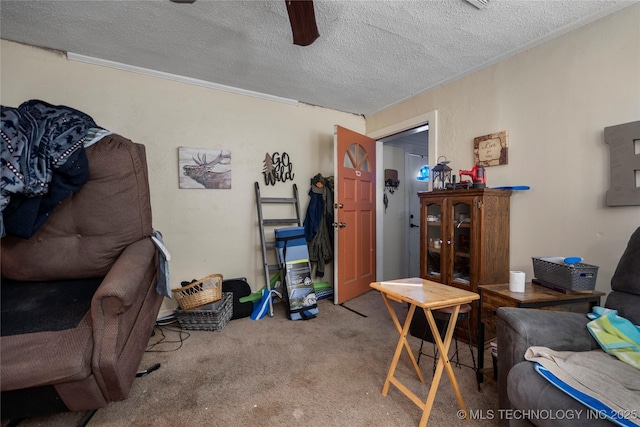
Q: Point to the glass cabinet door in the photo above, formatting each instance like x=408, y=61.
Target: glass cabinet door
x=461, y=221
x=433, y=261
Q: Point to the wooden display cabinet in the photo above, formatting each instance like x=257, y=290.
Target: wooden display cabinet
x=464, y=241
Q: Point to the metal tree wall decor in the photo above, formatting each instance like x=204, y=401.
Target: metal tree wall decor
x=277, y=167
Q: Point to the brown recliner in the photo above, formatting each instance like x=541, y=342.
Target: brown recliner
x=79, y=298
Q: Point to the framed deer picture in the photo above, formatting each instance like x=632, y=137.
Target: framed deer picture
x=204, y=168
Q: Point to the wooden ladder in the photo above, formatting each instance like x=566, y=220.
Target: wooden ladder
x=272, y=271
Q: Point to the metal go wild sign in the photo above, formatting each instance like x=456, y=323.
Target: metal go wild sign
x=277, y=167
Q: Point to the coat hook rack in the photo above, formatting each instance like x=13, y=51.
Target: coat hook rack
x=391, y=182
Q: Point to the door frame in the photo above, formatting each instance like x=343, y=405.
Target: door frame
x=430, y=118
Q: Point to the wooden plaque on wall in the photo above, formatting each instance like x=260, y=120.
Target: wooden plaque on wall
x=491, y=150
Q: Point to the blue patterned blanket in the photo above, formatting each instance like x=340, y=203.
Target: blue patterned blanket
x=43, y=162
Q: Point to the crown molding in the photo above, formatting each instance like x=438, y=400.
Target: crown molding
x=174, y=77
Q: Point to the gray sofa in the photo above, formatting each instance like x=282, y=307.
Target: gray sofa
x=521, y=390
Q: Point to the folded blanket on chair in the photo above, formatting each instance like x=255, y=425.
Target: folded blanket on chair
x=40, y=142
x=616, y=335
x=610, y=386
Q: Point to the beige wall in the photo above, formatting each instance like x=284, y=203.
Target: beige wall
x=554, y=100
x=206, y=231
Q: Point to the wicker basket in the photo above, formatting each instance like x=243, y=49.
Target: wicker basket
x=207, y=320
x=203, y=292
x=575, y=277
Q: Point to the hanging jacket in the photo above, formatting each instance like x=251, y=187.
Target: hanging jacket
x=317, y=223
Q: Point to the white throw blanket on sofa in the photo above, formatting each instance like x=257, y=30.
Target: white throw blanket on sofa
x=596, y=374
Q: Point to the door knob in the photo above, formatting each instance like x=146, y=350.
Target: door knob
x=412, y=225
x=338, y=206
x=339, y=224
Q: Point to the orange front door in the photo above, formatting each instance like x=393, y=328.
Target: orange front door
x=355, y=199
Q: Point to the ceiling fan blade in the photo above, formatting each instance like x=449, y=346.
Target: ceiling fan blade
x=303, y=21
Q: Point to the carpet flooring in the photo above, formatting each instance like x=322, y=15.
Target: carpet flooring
x=328, y=371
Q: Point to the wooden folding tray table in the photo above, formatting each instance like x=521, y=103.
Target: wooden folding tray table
x=429, y=296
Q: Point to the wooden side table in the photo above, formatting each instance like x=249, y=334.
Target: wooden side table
x=534, y=296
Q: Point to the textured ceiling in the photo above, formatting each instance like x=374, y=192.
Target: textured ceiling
x=370, y=54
